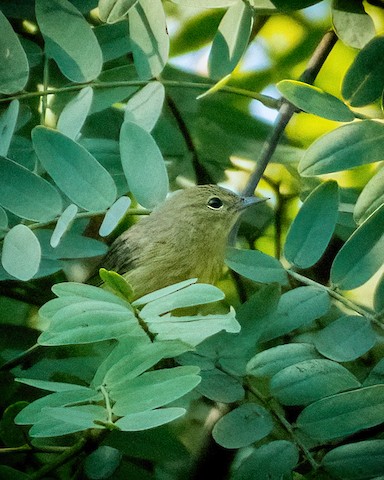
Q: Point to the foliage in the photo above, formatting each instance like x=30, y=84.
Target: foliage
x=287, y=381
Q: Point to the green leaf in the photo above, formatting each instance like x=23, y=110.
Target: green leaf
x=50, y=386
x=345, y=339
x=144, y=107
x=71, y=245
x=256, y=265
x=113, y=216
x=63, y=224
x=18, y=186
x=362, y=255
x=231, y=40
x=14, y=68
x=205, y=3
x=21, y=253
x=190, y=296
x=8, y=121
x=32, y=413
x=312, y=229
x=102, y=462
x=269, y=362
x=346, y=147
x=149, y=38
x=193, y=329
x=75, y=113
x=343, y=414
x=78, y=321
x=153, y=389
x=363, y=82
x=112, y=11
x=60, y=421
x=116, y=283
x=313, y=100
x=82, y=290
x=370, y=198
x=311, y=380
x=3, y=220
x=113, y=40
x=143, y=165
x=9, y=473
x=75, y=171
x=146, y=420
x=150, y=297
x=356, y=461
x=220, y=387
x=296, y=308
x=242, y=426
x=274, y=460
x=64, y=28
x=351, y=23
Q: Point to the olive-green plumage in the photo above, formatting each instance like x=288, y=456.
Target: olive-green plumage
x=185, y=237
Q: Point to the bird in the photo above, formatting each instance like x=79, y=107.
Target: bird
x=184, y=237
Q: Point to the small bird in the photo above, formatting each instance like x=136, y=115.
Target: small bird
x=184, y=237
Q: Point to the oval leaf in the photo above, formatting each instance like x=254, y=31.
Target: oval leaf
x=149, y=38
x=362, y=255
x=18, y=186
x=344, y=148
x=143, y=165
x=14, y=68
x=370, y=198
x=256, y=265
x=242, y=426
x=313, y=100
x=64, y=28
x=352, y=24
x=343, y=414
x=311, y=380
x=21, y=253
x=312, y=229
x=144, y=108
x=145, y=420
x=63, y=224
x=345, y=339
x=231, y=40
x=356, y=461
x=75, y=113
x=363, y=82
x=75, y=171
x=113, y=216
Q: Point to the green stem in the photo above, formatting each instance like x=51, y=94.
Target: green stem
x=107, y=403
x=283, y=421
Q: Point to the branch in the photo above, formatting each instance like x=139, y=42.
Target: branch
x=287, y=110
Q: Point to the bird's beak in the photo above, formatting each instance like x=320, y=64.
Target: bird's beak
x=249, y=201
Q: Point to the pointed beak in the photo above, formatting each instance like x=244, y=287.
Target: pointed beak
x=249, y=201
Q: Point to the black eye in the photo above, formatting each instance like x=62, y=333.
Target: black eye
x=215, y=203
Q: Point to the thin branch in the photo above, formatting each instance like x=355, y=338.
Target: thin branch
x=287, y=110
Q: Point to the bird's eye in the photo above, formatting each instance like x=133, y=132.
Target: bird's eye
x=215, y=203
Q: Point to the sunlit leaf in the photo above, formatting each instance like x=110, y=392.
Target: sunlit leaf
x=75, y=113
x=313, y=100
x=64, y=28
x=63, y=224
x=144, y=107
x=112, y=11
x=149, y=37
x=7, y=125
x=346, y=147
x=370, y=198
x=113, y=216
x=231, y=40
x=151, y=419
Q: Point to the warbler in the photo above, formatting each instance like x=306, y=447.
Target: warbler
x=184, y=237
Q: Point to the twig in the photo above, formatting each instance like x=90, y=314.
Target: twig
x=287, y=110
